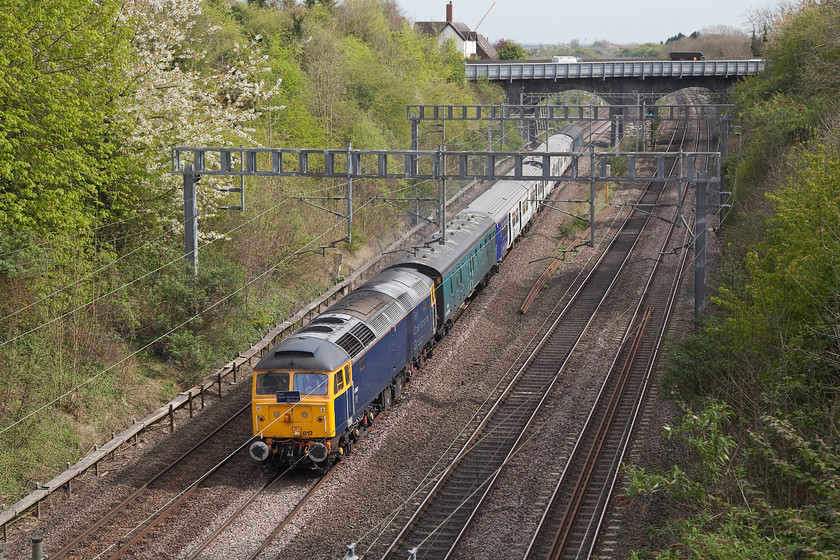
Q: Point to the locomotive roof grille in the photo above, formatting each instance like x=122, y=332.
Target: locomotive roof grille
x=394, y=313
x=363, y=333
x=351, y=344
x=406, y=302
x=316, y=328
x=359, y=337
x=421, y=289
x=329, y=320
x=380, y=323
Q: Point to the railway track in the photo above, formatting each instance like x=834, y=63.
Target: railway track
x=134, y=519
x=219, y=533
x=438, y=525
x=128, y=541
x=575, y=512
x=213, y=545
x=134, y=516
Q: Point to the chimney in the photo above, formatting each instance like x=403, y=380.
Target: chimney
x=449, y=12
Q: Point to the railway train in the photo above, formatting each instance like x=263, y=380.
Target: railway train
x=315, y=393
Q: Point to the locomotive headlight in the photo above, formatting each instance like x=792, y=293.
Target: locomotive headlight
x=304, y=414
x=296, y=431
x=277, y=414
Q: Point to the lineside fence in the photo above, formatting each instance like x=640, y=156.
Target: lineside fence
x=229, y=373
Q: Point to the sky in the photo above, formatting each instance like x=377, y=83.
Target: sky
x=551, y=22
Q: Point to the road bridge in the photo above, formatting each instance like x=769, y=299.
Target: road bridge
x=521, y=79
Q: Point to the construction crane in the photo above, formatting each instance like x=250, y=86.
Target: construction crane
x=485, y=16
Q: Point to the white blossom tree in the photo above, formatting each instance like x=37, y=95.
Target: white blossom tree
x=177, y=98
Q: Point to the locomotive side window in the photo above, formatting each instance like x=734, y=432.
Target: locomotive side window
x=271, y=382
x=338, y=385
x=310, y=383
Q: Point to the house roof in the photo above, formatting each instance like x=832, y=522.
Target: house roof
x=483, y=47
x=430, y=27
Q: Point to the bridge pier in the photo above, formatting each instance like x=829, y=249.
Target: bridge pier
x=630, y=91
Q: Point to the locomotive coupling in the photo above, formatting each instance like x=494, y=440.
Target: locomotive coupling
x=258, y=451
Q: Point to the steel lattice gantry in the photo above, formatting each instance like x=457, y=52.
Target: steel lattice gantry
x=429, y=165
x=564, y=112
x=425, y=164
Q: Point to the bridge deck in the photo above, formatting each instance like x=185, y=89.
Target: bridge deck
x=638, y=69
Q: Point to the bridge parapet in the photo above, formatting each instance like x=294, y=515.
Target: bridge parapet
x=638, y=69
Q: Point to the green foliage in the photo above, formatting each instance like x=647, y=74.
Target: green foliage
x=487, y=92
x=802, y=62
x=729, y=514
x=509, y=50
x=646, y=50
x=20, y=254
x=89, y=240
x=764, y=476
x=61, y=71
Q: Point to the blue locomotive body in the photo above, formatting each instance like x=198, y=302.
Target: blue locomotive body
x=316, y=391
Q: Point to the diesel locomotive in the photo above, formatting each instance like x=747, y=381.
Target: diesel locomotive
x=317, y=392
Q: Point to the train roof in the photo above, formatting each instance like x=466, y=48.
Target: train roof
x=571, y=130
x=463, y=232
x=562, y=140
x=352, y=324
x=300, y=352
x=391, y=293
x=497, y=201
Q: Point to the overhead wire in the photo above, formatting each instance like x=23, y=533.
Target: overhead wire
x=161, y=337
x=93, y=273
x=127, y=284
x=53, y=240
x=423, y=484
x=428, y=479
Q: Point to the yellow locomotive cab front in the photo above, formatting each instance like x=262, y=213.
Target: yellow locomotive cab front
x=293, y=405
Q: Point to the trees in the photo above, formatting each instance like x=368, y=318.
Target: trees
x=62, y=74
x=509, y=50
x=769, y=357
x=94, y=95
